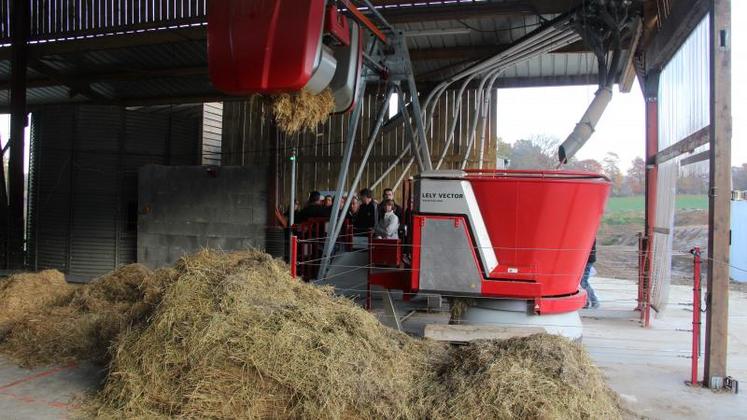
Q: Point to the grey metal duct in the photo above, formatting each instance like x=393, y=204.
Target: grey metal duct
x=602, y=24
x=585, y=128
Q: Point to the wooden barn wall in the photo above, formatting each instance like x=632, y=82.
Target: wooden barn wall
x=250, y=138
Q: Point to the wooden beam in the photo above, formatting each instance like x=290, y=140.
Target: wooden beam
x=628, y=74
x=698, y=157
x=686, y=15
x=719, y=233
x=686, y=145
x=466, y=333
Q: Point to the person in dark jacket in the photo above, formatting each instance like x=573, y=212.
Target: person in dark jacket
x=352, y=216
x=591, y=298
x=314, y=208
x=367, y=214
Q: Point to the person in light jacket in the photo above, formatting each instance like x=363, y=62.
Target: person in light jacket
x=388, y=226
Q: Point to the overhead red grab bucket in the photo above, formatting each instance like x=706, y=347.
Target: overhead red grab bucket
x=264, y=46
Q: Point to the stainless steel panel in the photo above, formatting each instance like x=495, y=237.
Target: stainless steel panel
x=447, y=263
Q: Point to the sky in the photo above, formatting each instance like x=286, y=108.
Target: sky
x=553, y=112
x=527, y=112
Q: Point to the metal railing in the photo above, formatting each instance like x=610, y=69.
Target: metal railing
x=57, y=19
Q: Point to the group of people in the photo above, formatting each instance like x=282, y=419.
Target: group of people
x=365, y=214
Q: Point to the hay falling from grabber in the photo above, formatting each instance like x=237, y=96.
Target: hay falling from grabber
x=302, y=110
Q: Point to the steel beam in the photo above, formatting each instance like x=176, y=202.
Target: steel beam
x=717, y=300
x=408, y=132
x=487, y=10
x=19, y=35
x=336, y=214
x=106, y=42
x=662, y=46
x=335, y=233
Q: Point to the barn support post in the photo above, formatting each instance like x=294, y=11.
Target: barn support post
x=651, y=93
x=719, y=234
x=18, y=121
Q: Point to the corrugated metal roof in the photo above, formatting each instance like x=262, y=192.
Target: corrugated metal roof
x=178, y=70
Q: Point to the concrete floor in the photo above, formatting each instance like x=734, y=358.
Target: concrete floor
x=647, y=367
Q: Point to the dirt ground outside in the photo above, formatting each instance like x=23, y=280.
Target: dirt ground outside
x=617, y=245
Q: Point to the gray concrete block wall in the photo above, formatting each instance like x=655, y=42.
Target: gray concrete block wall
x=183, y=209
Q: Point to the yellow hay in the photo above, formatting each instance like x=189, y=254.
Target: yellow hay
x=227, y=336
x=236, y=337
x=302, y=110
x=84, y=324
x=27, y=292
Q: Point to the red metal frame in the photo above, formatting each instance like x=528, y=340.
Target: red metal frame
x=554, y=174
x=556, y=305
x=337, y=25
x=385, y=252
x=263, y=46
x=489, y=287
x=652, y=148
x=293, y=260
x=696, y=315
x=360, y=17
x=311, y=233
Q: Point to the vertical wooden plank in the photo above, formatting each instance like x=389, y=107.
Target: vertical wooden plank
x=717, y=319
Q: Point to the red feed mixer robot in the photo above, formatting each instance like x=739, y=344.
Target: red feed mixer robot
x=515, y=242
x=518, y=241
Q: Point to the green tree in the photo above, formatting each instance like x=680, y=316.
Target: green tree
x=635, y=179
x=538, y=152
x=611, y=166
x=739, y=177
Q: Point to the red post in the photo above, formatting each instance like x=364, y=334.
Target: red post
x=696, y=315
x=651, y=93
x=293, y=260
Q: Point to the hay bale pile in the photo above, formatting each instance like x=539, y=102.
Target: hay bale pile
x=233, y=336
x=302, y=110
x=29, y=292
x=80, y=323
x=540, y=377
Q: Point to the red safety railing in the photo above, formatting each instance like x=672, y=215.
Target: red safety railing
x=696, y=315
x=293, y=256
x=307, y=246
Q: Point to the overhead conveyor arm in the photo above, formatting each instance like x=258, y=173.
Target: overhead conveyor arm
x=602, y=25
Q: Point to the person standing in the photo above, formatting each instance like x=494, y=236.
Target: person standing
x=313, y=208
x=389, y=195
x=367, y=213
x=352, y=216
x=591, y=297
x=388, y=226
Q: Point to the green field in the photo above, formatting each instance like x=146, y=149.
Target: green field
x=628, y=210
